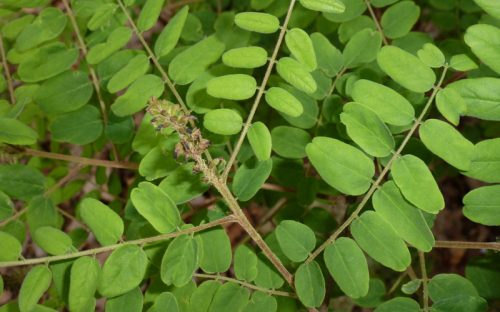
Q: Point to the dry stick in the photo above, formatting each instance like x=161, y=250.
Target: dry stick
x=375, y=20
x=425, y=291
x=467, y=245
x=260, y=92
x=245, y=284
x=382, y=175
x=7, y=72
x=142, y=241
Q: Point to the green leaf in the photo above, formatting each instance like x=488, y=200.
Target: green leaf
x=249, y=178
x=21, y=181
x=353, y=9
x=181, y=185
x=399, y=19
x=137, y=95
x=412, y=286
x=101, y=16
x=261, y=301
x=451, y=105
x=215, y=255
x=406, y=220
x=296, y=74
x=36, y=282
x=11, y=248
x=450, y=286
x=232, y=87
x=42, y=212
x=406, y=69
x=223, y=121
x=483, y=40
x=149, y=14
x=180, y=261
x=300, y=45
x=295, y=239
x=48, y=25
x=53, y=241
x=267, y=275
x=482, y=205
x=446, y=142
x=362, y=48
x=290, y=142
x=367, y=130
x=6, y=206
x=329, y=58
x=229, y=297
x=105, y=224
x=258, y=22
x=310, y=284
x=83, y=284
x=131, y=301
x=347, y=265
x=417, y=184
x=13, y=28
x=461, y=304
x=284, y=102
x=166, y=301
x=15, y=132
x=192, y=62
x=136, y=68
x=388, y=104
x=379, y=240
x=169, y=36
x=431, y=56
x=327, y=6
x=116, y=40
x=400, y=304
x=64, y=93
x=203, y=295
x=462, y=62
x=341, y=165
x=492, y=8
x=260, y=140
x=485, y=163
x=246, y=57
x=480, y=96
x=157, y=163
x=245, y=263
x=156, y=207
x=80, y=127
x=123, y=271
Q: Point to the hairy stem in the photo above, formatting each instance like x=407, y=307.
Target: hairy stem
x=383, y=174
x=260, y=91
x=377, y=23
x=8, y=77
x=423, y=271
x=142, y=241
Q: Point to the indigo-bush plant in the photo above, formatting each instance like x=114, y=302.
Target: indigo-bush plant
x=249, y=155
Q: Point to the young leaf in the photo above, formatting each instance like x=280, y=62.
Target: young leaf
x=417, y=184
x=362, y=48
x=388, y=104
x=80, y=127
x=106, y=225
x=131, y=301
x=52, y=240
x=36, y=282
x=347, y=265
x=229, y=297
x=412, y=286
x=406, y=69
x=156, y=207
x=431, y=56
x=284, y=102
x=366, y=129
x=301, y=47
x=258, y=22
x=482, y=205
x=169, y=36
x=261, y=301
x=310, y=284
x=246, y=57
x=260, y=140
x=223, y=121
x=378, y=239
x=290, y=142
x=215, y=251
x=232, y=87
x=136, y=68
x=407, y=221
x=15, y=132
x=123, y=271
x=483, y=39
x=137, y=95
x=327, y=6
x=447, y=143
x=149, y=14
x=180, y=261
x=83, y=284
x=296, y=74
x=399, y=304
x=295, y=239
x=485, y=163
x=10, y=247
x=341, y=165
x=451, y=105
x=399, y=19
x=245, y=263
x=250, y=177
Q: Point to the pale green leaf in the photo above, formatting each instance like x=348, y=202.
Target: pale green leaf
x=246, y=57
x=36, y=282
x=149, y=14
x=179, y=261
x=353, y=9
x=362, y=48
x=49, y=24
x=105, y=224
x=83, y=284
x=296, y=74
x=290, y=142
x=169, y=36
x=166, y=301
x=284, y=102
x=399, y=19
x=329, y=58
x=232, y=87
x=136, y=68
x=11, y=248
x=300, y=45
x=116, y=40
x=13, y=131
x=137, y=95
x=484, y=41
x=482, y=205
x=258, y=22
x=327, y=6
x=451, y=105
x=250, y=177
x=215, y=253
x=260, y=140
x=53, y=241
x=462, y=62
x=491, y=7
x=181, y=185
x=485, y=162
x=223, y=121
x=431, y=56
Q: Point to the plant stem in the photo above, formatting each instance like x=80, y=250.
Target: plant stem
x=377, y=23
x=467, y=245
x=8, y=77
x=425, y=292
x=142, y=241
x=260, y=92
x=382, y=175
x=337, y=77
x=245, y=284
x=14, y=217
